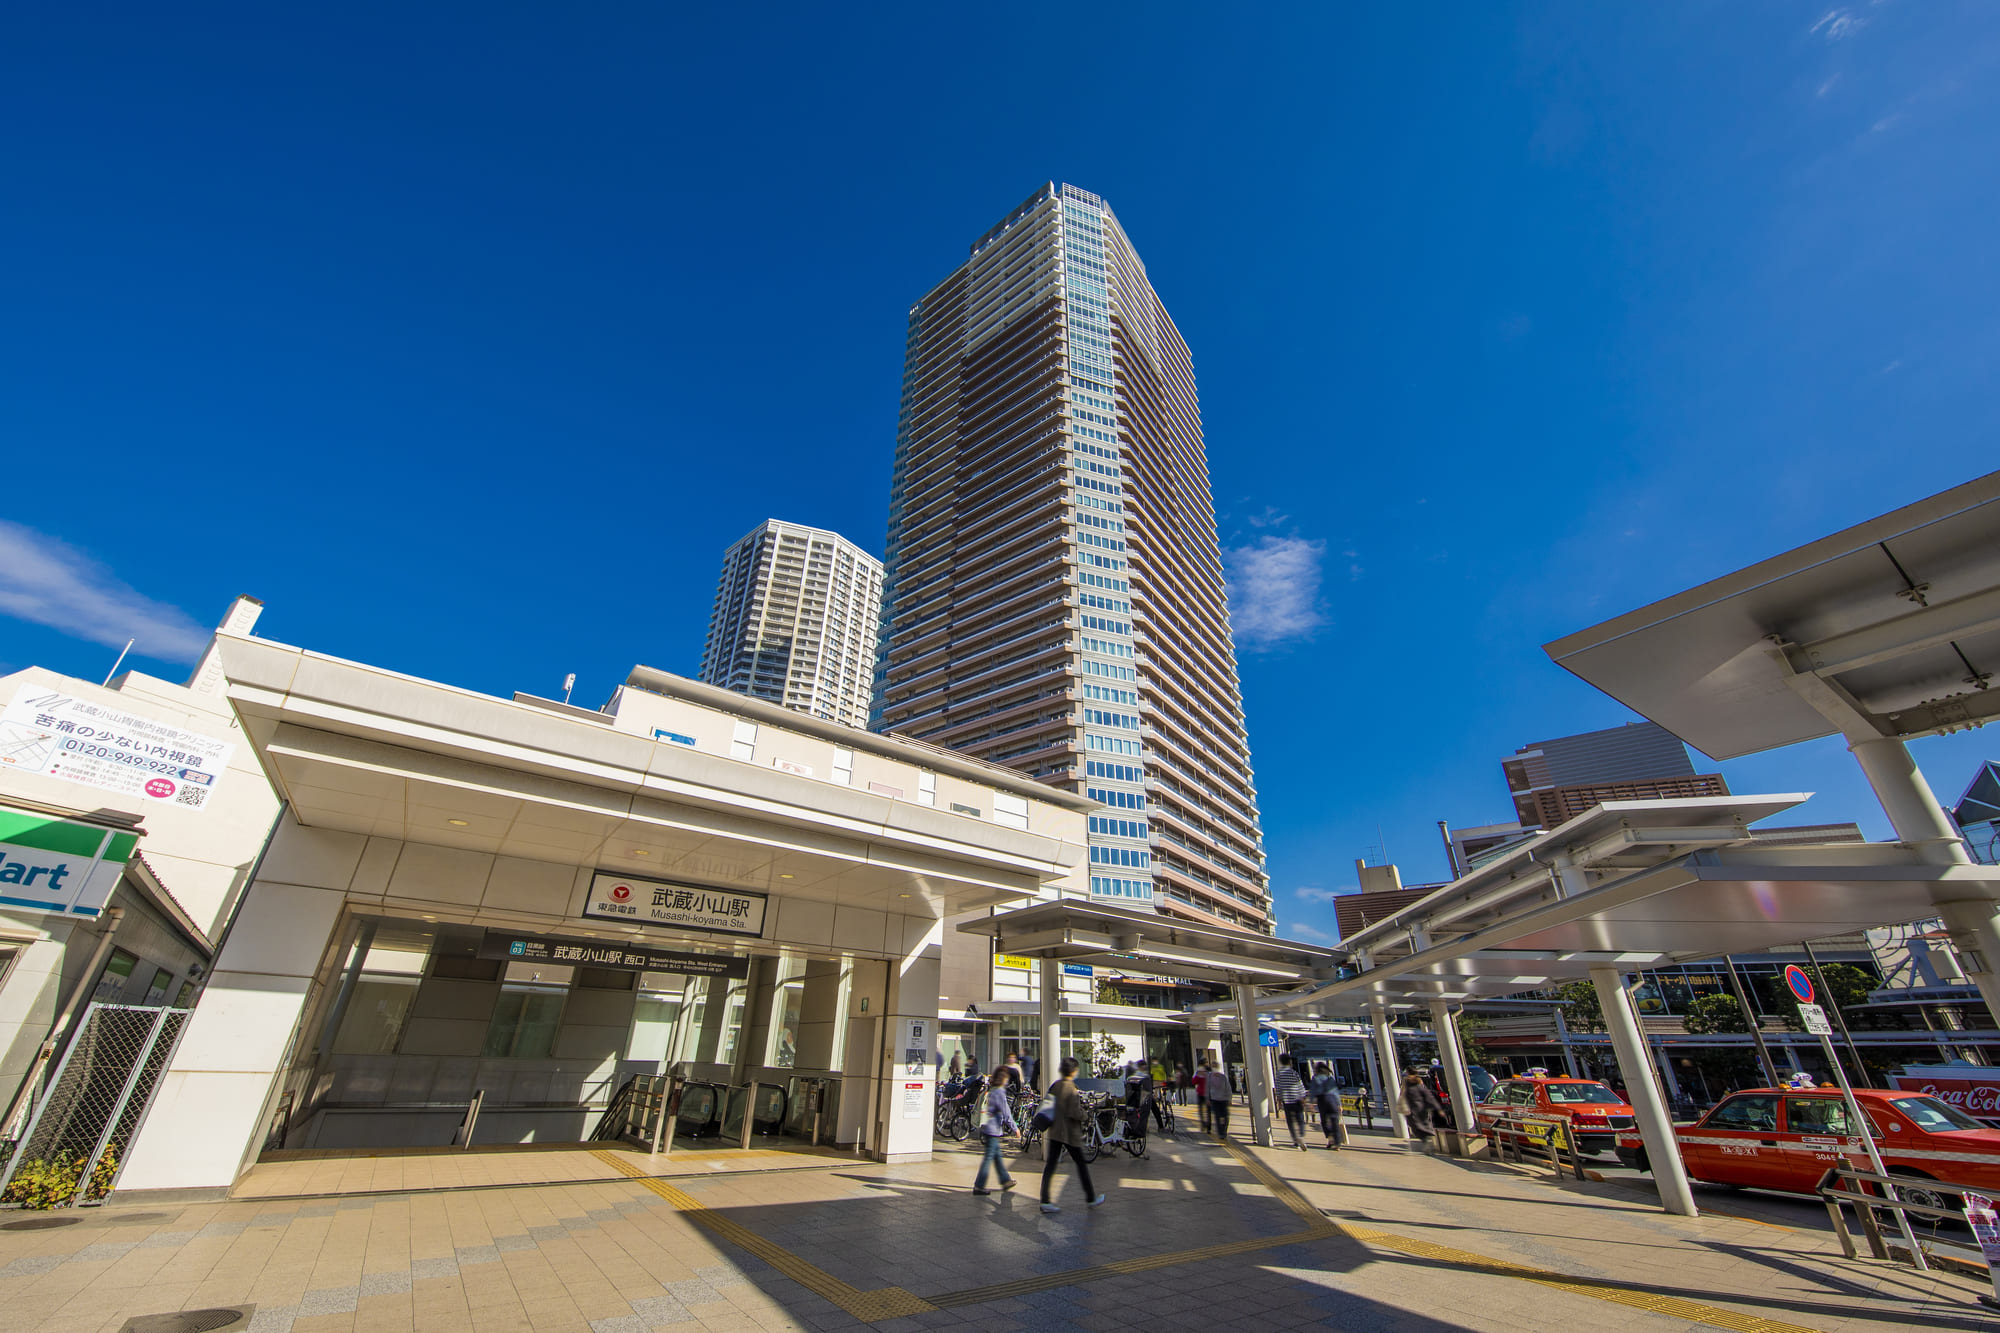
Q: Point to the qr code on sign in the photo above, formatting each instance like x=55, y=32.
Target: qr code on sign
x=194, y=796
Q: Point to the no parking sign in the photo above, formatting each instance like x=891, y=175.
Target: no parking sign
x=1798, y=983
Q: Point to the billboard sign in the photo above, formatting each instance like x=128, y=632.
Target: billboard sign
x=59, y=735
x=1973, y=1089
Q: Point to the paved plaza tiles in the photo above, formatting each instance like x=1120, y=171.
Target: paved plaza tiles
x=1197, y=1235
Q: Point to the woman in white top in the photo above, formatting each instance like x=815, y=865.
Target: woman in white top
x=998, y=1123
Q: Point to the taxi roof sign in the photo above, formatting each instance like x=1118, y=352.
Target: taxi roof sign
x=1798, y=983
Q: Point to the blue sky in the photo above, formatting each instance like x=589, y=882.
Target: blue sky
x=453, y=333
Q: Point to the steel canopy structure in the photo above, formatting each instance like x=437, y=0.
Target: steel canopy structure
x=1629, y=885
x=1071, y=931
x=1890, y=628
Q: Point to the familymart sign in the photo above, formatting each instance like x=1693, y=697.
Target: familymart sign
x=57, y=865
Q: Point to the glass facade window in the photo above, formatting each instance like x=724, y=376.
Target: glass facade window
x=524, y=1022
x=117, y=972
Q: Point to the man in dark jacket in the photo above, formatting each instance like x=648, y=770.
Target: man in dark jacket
x=1422, y=1107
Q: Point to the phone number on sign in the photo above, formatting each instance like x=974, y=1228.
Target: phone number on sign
x=74, y=746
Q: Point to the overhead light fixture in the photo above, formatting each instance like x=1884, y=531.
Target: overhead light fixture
x=640, y=851
x=459, y=823
x=784, y=877
x=902, y=895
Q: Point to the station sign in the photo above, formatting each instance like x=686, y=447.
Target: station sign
x=1078, y=970
x=569, y=952
x=658, y=902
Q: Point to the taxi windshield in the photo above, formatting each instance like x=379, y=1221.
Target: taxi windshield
x=1595, y=1094
x=1933, y=1116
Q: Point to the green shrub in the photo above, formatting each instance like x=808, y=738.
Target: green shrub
x=40, y=1184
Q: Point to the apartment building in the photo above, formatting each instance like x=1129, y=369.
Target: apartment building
x=1054, y=597
x=796, y=613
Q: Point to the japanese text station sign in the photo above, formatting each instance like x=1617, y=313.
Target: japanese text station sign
x=59, y=867
x=653, y=902
x=518, y=948
x=60, y=736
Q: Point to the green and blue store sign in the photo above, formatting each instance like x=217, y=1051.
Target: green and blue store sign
x=57, y=865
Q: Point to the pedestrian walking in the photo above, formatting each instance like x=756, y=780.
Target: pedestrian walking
x=1183, y=1084
x=1201, y=1092
x=1219, y=1092
x=1291, y=1090
x=956, y=1067
x=1422, y=1107
x=1066, y=1136
x=1366, y=1103
x=1326, y=1095
x=999, y=1123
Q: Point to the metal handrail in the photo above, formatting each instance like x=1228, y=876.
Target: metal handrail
x=1888, y=1201
x=1545, y=1134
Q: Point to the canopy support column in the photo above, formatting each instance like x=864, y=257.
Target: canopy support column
x=1392, y=1072
x=1920, y=821
x=1256, y=1066
x=1051, y=1001
x=1656, y=1128
x=1444, y=1024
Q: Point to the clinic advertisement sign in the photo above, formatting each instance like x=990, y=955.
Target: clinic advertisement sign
x=60, y=736
x=655, y=902
x=57, y=867
x=1973, y=1089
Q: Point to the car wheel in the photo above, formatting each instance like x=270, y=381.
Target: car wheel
x=1913, y=1188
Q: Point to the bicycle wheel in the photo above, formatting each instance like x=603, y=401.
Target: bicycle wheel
x=1135, y=1145
x=1093, y=1143
x=960, y=1126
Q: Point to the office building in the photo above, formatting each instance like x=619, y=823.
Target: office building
x=1978, y=814
x=1556, y=780
x=1382, y=894
x=1054, y=590
x=795, y=619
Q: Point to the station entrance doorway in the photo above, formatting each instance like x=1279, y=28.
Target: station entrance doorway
x=440, y=1035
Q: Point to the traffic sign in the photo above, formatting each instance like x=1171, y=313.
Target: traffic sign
x=1799, y=983
x=1814, y=1018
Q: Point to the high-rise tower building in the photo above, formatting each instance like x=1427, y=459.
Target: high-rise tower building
x=796, y=614
x=1054, y=598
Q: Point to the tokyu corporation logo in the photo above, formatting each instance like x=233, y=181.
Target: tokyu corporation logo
x=621, y=893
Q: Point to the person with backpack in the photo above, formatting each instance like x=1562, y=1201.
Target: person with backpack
x=1069, y=1122
x=999, y=1122
x=1326, y=1095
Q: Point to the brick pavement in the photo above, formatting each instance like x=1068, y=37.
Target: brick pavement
x=1372, y=1238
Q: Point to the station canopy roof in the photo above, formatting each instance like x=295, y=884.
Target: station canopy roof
x=1073, y=931
x=1631, y=885
x=1892, y=626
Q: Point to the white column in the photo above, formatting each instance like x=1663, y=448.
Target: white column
x=1919, y=820
x=1049, y=994
x=1445, y=1025
x=911, y=1084
x=1392, y=1071
x=1656, y=1127
x=1256, y=1067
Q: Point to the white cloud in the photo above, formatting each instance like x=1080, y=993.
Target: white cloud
x=1310, y=934
x=1274, y=589
x=50, y=583
x=1323, y=895
x=1837, y=24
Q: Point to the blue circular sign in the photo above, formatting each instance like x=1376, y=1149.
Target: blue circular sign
x=1799, y=983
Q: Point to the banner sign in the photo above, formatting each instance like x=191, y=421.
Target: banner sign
x=1014, y=961
x=1973, y=1089
x=59, y=867
x=629, y=957
x=60, y=736
x=1985, y=1224
x=653, y=902
x=1077, y=970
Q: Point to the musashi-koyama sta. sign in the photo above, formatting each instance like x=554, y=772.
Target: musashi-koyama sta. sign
x=655, y=902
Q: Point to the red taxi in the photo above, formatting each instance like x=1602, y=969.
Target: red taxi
x=1786, y=1138
x=1596, y=1114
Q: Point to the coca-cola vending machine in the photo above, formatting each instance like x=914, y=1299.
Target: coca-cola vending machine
x=1973, y=1089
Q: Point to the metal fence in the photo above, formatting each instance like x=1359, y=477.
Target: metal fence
x=98, y=1096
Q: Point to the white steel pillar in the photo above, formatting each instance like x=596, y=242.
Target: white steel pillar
x=1392, y=1071
x=1445, y=1025
x=1256, y=1067
x=1919, y=820
x=1656, y=1127
x=1051, y=1002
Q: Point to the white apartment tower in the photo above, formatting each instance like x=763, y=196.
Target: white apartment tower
x=796, y=615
